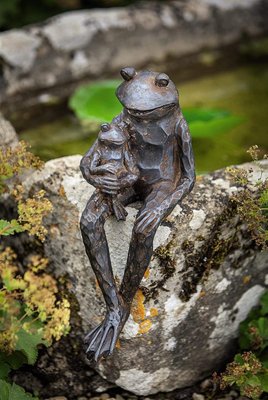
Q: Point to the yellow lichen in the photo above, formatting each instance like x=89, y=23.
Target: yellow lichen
x=144, y=326
x=246, y=279
x=147, y=272
x=62, y=191
x=137, y=309
x=153, y=312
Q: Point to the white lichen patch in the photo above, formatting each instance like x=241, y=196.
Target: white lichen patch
x=170, y=344
x=225, y=327
x=197, y=219
x=222, y=285
x=131, y=329
x=142, y=383
x=177, y=311
x=225, y=184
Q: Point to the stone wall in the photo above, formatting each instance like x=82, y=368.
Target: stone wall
x=39, y=61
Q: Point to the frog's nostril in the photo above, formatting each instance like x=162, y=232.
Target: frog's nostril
x=105, y=127
x=162, y=80
x=128, y=73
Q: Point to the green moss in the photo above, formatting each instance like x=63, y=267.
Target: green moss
x=212, y=253
x=64, y=291
x=199, y=264
x=167, y=265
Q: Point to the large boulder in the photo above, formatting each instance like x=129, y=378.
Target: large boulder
x=8, y=136
x=205, y=276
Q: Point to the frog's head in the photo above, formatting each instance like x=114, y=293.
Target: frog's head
x=147, y=94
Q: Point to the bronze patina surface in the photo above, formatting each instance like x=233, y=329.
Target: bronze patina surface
x=144, y=154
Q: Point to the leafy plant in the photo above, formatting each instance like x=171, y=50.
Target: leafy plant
x=98, y=101
x=31, y=310
x=31, y=210
x=13, y=392
x=252, y=208
x=249, y=371
x=254, y=331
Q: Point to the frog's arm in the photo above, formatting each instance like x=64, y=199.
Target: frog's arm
x=94, y=164
x=186, y=183
x=85, y=163
x=187, y=156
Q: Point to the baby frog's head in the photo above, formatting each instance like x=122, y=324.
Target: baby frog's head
x=110, y=135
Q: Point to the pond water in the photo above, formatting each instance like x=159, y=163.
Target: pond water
x=242, y=92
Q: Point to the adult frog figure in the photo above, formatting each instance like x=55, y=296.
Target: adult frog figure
x=160, y=142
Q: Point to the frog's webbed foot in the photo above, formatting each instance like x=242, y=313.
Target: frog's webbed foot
x=119, y=210
x=102, y=340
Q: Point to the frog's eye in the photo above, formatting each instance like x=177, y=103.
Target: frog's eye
x=105, y=127
x=162, y=80
x=128, y=73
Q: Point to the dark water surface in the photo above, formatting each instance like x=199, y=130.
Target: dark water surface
x=242, y=92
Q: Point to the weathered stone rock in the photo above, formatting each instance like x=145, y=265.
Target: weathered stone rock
x=205, y=276
x=47, y=58
x=8, y=136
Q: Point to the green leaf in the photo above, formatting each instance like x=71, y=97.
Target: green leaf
x=27, y=343
x=203, y=114
x=264, y=381
x=96, y=101
x=253, y=381
x=13, y=392
x=264, y=303
x=9, y=227
x=204, y=129
x=244, y=338
x=4, y=390
x=4, y=370
x=15, y=360
x=238, y=358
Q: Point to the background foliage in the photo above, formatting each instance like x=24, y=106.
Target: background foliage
x=31, y=310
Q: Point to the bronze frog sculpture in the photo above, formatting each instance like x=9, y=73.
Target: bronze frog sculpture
x=163, y=173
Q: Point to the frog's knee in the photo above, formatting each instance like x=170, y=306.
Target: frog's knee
x=143, y=230
x=89, y=222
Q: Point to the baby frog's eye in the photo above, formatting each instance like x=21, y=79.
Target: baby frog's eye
x=105, y=127
x=162, y=80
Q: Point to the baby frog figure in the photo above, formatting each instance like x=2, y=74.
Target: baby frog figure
x=112, y=157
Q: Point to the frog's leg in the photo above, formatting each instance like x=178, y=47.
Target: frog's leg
x=101, y=340
x=147, y=221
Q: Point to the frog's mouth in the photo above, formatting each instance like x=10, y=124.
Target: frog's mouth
x=155, y=111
